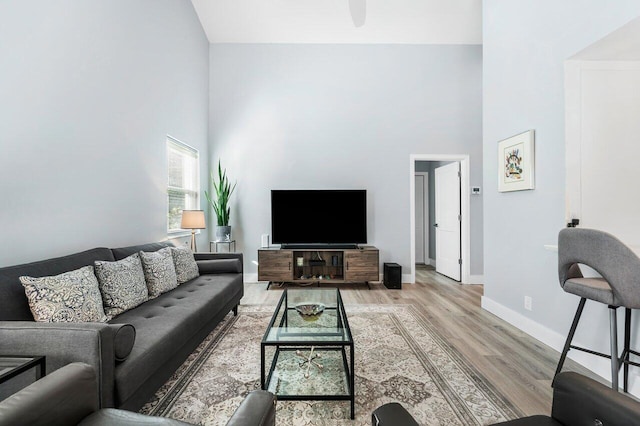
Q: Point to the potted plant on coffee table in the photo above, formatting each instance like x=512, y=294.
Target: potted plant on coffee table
x=219, y=201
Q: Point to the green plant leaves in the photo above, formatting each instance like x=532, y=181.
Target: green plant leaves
x=222, y=192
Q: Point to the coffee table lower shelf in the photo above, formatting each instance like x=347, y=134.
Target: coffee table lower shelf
x=333, y=381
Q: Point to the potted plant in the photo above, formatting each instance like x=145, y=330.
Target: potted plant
x=219, y=200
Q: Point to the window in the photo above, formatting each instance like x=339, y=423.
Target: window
x=184, y=182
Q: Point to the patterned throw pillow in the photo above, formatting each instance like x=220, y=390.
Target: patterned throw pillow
x=185, y=263
x=159, y=271
x=70, y=297
x=122, y=284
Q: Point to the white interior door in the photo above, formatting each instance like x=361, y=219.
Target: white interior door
x=603, y=106
x=447, y=225
x=422, y=213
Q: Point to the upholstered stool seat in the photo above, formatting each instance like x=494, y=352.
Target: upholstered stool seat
x=597, y=289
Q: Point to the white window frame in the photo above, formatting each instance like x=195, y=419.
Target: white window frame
x=189, y=152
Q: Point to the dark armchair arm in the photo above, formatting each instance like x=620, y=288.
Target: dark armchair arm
x=64, y=343
x=68, y=397
x=257, y=409
x=63, y=398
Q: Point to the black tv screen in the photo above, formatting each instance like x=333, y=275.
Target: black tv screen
x=300, y=217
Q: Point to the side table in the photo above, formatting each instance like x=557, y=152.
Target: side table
x=213, y=245
x=12, y=366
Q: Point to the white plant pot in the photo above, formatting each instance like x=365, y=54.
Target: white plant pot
x=223, y=233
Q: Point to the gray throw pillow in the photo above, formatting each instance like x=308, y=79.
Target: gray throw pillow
x=185, y=263
x=159, y=271
x=69, y=297
x=122, y=284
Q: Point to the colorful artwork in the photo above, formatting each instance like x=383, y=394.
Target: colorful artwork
x=515, y=160
x=513, y=163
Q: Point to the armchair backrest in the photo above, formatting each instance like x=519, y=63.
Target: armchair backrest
x=579, y=400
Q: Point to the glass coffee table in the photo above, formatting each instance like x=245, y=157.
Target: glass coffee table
x=309, y=348
x=11, y=366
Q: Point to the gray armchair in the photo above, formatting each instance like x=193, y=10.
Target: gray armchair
x=577, y=401
x=69, y=396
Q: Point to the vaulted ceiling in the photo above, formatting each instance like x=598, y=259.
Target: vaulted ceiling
x=341, y=21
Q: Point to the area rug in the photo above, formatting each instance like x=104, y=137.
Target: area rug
x=400, y=357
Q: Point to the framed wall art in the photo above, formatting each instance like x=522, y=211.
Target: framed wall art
x=516, y=162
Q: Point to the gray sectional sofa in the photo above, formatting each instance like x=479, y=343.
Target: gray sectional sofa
x=137, y=351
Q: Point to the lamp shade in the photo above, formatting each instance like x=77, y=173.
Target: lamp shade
x=193, y=219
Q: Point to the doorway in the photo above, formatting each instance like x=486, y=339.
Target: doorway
x=422, y=217
x=455, y=247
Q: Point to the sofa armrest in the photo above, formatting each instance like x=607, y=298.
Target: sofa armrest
x=580, y=400
x=219, y=256
x=64, y=343
x=64, y=397
x=257, y=409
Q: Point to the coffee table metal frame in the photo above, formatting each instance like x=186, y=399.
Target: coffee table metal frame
x=18, y=364
x=306, y=342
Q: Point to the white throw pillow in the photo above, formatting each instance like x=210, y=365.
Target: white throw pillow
x=69, y=297
x=122, y=284
x=159, y=272
x=185, y=263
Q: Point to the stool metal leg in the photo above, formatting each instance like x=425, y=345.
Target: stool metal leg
x=613, y=330
x=572, y=331
x=627, y=347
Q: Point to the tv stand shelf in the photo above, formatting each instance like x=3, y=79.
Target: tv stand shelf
x=330, y=265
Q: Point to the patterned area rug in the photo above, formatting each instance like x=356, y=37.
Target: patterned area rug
x=399, y=357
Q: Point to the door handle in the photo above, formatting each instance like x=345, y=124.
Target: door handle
x=435, y=225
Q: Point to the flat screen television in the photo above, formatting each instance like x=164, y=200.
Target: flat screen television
x=313, y=218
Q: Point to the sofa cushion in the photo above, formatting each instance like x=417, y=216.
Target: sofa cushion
x=13, y=303
x=159, y=272
x=186, y=266
x=219, y=266
x=69, y=297
x=122, y=284
x=122, y=252
x=164, y=324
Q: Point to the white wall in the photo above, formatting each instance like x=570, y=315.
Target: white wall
x=342, y=116
x=89, y=91
x=525, y=46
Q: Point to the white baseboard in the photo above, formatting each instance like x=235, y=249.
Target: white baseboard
x=600, y=366
x=406, y=278
x=251, y=278
x=476, y=279
x=432, y=262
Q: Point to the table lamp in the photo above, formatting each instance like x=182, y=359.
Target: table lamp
x=193, y=219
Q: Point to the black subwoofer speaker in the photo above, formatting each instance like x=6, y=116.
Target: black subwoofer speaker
x=393, y=275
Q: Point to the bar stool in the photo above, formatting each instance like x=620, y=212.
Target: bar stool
x=618, y=287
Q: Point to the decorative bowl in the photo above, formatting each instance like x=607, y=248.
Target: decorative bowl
x=310, y=310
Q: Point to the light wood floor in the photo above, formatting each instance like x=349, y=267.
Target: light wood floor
x=516, y=364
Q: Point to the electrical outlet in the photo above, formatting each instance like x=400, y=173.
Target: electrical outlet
x=527, y=303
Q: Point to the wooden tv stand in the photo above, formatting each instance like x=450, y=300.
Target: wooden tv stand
x=330, y=265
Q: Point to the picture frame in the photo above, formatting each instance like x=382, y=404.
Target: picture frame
x=516, y=165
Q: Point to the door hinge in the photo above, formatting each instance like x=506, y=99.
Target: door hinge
x=459, y=261
x=459, y=217
x=459, y=174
